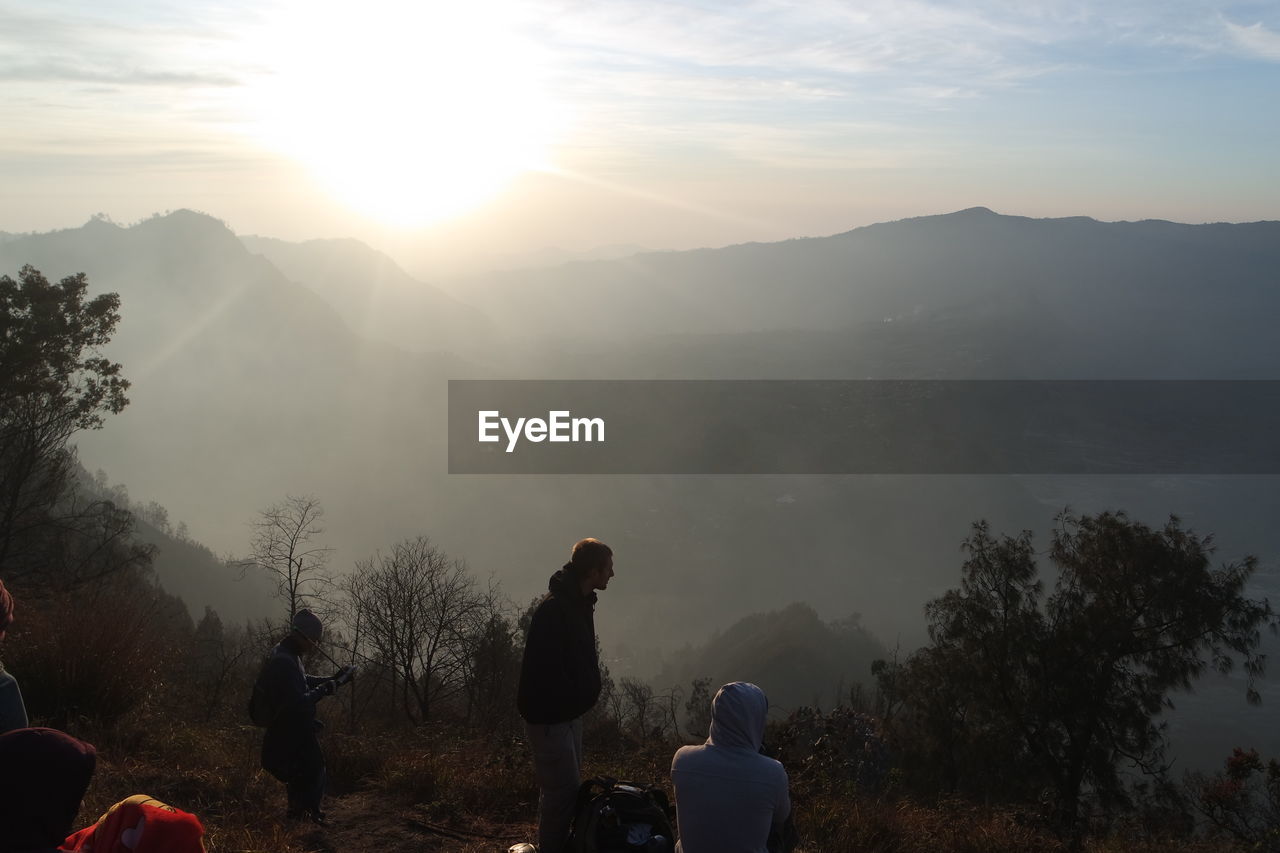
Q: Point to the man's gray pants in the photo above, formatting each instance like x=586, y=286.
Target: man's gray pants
x=557, y=762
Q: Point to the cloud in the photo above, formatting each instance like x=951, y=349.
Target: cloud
x=978, y=45
x=1256, y=40
x=776, y=83
x=644, y=62
x=790, y=84
x=833, y=146
x=59, y=71
x=68, y=42
x=821, y=39
x=651, y=63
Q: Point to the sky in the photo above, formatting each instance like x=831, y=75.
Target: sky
x=447, y=135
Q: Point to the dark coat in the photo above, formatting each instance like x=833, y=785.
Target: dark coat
x=560, y=672
x=290, y=743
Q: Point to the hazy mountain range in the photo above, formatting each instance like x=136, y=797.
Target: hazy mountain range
x=971, y=294
x=262, y=368
x=375, y=297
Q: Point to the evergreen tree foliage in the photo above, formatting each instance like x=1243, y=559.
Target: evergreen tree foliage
x=1020, y=694
x=55, y=381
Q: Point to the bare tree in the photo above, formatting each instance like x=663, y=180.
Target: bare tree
x=83, y=541
x=492, y=664
x=641, y=708
x=697, y=708
x=420, y=613
x=285, y=546
x=672, y=705
x=615, y=704
x=354, y=617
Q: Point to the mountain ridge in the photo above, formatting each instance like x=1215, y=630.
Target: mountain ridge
x=249, y=386
x=378, y=299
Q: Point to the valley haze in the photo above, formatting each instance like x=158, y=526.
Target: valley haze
x=262, y=368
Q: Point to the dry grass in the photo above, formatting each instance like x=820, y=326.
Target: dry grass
x=461, y=778
x=904, y=826
x=213, y=771
x=394, y=787
x=210, y=771
x=878, y=826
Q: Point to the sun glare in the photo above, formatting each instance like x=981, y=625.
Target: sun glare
x=407, y=113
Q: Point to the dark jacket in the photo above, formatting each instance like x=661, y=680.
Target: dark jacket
x=292, y=696
x=560, y=673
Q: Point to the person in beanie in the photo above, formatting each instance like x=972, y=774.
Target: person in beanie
x=559, y=682
x=43, y=776
x=13, y=713
x=290, y=748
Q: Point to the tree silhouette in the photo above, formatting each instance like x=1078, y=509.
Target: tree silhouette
x=53, y=382
x=1018, y=693
x=285, y=546
x=421, y=614
x=697, y=708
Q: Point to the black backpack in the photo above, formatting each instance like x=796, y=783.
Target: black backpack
x=260, y=711
x=621, y=817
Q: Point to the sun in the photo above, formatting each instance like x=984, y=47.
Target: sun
x=408, y=113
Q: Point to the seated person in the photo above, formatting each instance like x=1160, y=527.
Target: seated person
x=43, y=776
x=728, y=795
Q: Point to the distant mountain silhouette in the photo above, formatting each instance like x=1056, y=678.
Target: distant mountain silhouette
x=377, y=298
x=969, y=294
x=790, y=651
x=553, y=257
x=246, y=386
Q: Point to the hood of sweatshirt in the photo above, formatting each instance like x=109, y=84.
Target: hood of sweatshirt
x=565, y=586
x=737, y=716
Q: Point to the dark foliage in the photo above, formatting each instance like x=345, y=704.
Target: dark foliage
x=1019, y=695
x=53, y=382
x=1242, y=801
x=839, y=752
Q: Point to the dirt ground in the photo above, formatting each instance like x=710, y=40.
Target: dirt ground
x=362, y=822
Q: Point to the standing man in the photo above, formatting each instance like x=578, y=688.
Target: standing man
x=559, y=682
x=290, y=748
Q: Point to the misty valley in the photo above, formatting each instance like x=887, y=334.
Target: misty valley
x=263, y=372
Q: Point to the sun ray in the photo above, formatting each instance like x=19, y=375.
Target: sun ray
x=677, y=203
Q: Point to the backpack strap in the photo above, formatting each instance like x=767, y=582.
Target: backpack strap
x=592, y=788
x=659, y=796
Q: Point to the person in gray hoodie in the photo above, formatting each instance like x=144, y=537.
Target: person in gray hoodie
x=728, y=795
